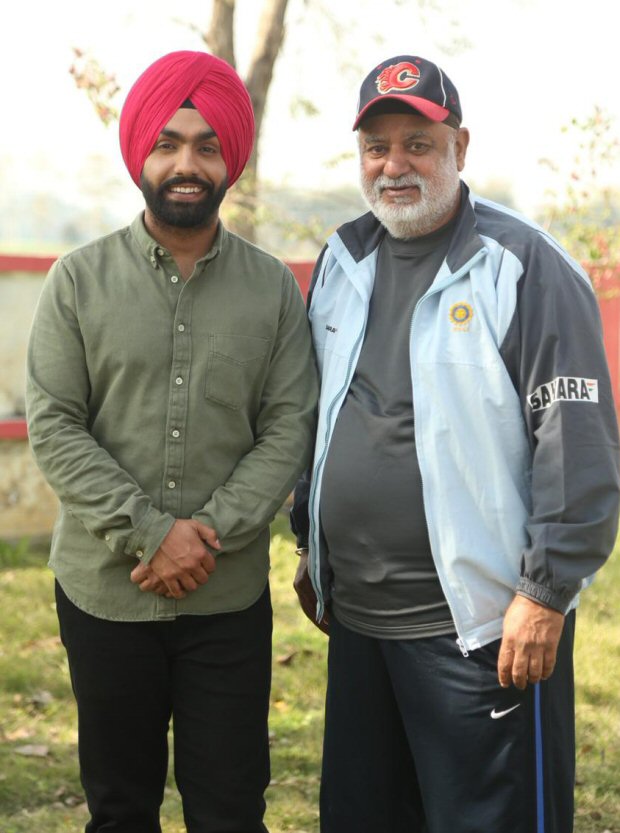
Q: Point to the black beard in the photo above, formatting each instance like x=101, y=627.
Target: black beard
x=184, y=215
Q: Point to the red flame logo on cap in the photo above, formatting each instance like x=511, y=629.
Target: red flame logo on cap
x=401, y=76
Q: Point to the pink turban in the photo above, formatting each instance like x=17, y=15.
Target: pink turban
x=215, y=90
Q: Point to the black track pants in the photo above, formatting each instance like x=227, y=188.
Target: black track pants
x=419, y=739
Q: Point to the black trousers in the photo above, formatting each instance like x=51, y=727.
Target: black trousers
x=419, y=739
x=212, y=675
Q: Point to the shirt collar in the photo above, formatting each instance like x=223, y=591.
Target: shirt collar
x=155, y=252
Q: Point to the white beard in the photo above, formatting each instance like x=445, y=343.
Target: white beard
x=404, y=219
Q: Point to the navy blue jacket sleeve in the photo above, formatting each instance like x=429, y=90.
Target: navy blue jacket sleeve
x=555, y=354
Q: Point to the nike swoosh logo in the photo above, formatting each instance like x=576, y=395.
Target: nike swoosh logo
x=496, y=715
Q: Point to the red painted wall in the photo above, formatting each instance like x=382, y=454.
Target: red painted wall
x=605, y=279
x=25, y=263
x=610, y=313
x=302, y=269
x=15, y=429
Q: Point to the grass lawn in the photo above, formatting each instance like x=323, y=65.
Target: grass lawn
x=39, y=784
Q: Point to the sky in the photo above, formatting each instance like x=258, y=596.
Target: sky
x=529, y=67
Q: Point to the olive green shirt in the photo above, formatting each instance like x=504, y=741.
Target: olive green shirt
x=151, y=399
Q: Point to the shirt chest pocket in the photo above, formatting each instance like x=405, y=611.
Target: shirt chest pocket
x=235, y=368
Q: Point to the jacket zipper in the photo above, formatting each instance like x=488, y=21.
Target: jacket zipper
x=316, y=577
x=462, y=646
x=444, y=584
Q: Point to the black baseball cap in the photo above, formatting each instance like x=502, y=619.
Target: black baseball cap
x=413, y=82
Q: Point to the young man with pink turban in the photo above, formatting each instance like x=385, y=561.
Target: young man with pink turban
x=171, y=398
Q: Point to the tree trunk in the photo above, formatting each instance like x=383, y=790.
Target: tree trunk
x=268, y=43
x=220, y=39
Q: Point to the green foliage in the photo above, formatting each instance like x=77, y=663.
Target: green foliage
x=12, y=555
x=289, y=222
x=583, y=208
x=301, y=106
x=597, y=661
x=100, y=86
x=37, y=712
x=42, y=791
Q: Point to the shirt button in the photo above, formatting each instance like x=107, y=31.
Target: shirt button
x=140, y=553
x=181, y=328
x=176, y=433
x=174, y=279
x=171, y=484
x=179, y=380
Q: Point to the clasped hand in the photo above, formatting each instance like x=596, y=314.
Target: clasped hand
x=182, y=563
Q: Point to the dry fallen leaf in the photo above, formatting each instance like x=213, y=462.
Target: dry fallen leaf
x=21, y=733
x=286, y=659
x=47, y=643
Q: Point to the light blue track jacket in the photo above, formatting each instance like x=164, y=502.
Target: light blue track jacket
x=515, y=426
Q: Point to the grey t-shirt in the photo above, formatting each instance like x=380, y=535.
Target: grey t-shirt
x=372, y=514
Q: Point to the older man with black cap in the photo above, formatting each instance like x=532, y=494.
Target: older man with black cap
x=464, y=487
x=171, y=397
